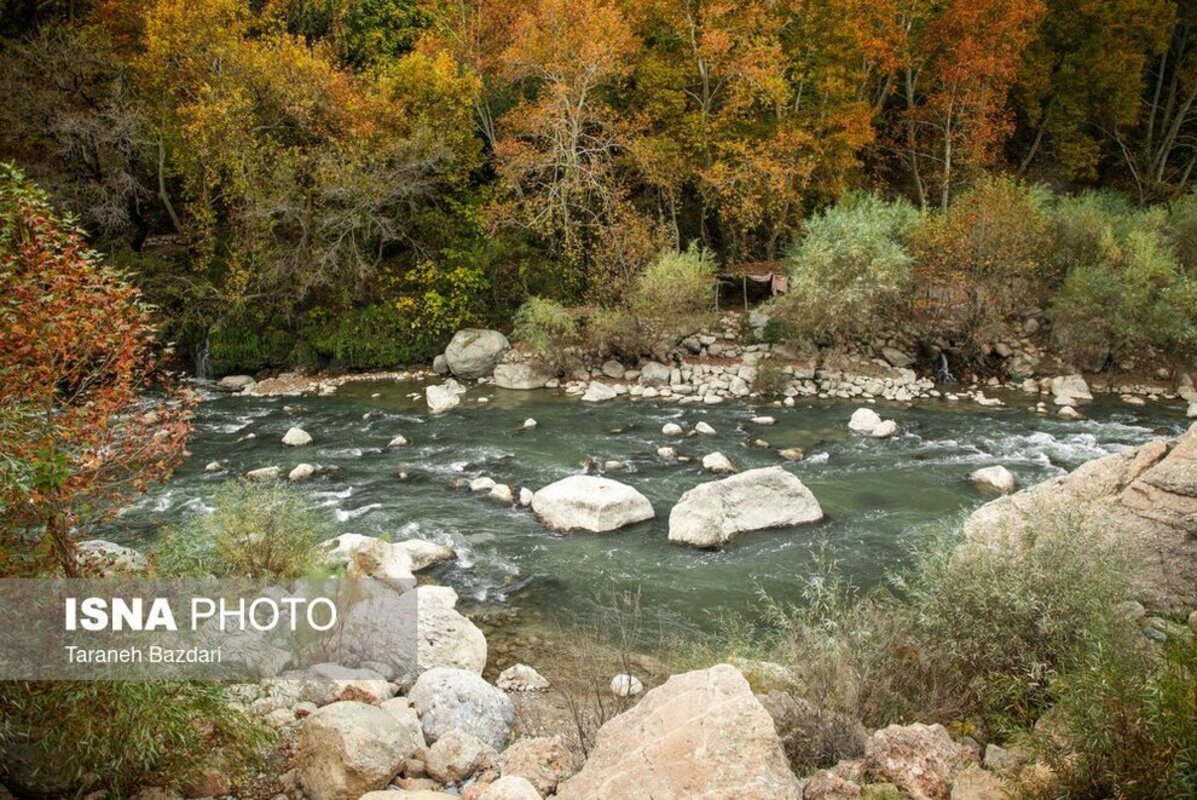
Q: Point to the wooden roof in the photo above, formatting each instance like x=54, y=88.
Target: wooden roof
x=753, y=268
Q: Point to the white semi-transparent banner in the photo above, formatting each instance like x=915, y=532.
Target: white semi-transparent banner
x=151, y=630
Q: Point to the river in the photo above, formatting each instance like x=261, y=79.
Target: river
x=882, y=498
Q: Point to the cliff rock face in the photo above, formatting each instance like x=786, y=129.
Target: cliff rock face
x=1144, y=499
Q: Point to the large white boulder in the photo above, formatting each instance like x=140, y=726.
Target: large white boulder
x=347, y=749
x=454, y=699
x=441, y=397
x=425, y=554
x=864, y=420
x=702, y=734
x=520, y=376
x=590, y=503
x=711, y=514
x=473, y=353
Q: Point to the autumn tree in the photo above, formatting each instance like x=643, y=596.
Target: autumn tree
x=78, y=438
x=950, y=116
x=558, y=150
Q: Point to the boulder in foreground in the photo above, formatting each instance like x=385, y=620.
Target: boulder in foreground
x=711, y=514
x=590, y=503
x=347, y=749
x=702, y=734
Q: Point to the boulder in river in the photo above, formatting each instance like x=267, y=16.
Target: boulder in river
x=520, y=376
x=441, y=398
x=995, y=479
x=671, y=429
x=234, y=383
x=453, y=699
x=711, y=514
x=864, y=420
x=474, y=352
x=425, y=554
x=704, y=428
x=717, y=462
x=296, y=437
x=301, y=472
x=590, y=503
x=1143, y=499
x=701, y=734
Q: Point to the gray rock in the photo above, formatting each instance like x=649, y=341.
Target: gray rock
x=440, y=365
x=996, y=479
x=296, y=437
x=711, y=514
x=896, y=357
x=597, y=392
x=453, y=699
x=1072, y=387
x=864, y=420
x=613, y=369
x=522, y=377
x=474, y=353
x=653, y=373
x=264, y=474
x=441, y=398
x=590, y=503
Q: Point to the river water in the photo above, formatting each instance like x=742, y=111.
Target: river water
x=882, y=498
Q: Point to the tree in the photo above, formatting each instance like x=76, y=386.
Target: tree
x=958, y=63
x=1084, y=77
x=557, y=153
x=78, y=438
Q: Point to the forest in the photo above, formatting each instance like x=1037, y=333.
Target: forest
x=347, y=182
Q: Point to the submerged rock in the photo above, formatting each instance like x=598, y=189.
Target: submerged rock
x=701, y=734
x=711, y=514
x=590, y=503
x=474, y=353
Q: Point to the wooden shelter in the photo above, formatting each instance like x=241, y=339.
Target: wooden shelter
x=772, y=273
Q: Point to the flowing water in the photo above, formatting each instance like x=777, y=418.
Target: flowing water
x=882, y=498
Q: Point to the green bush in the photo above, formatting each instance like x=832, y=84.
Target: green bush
x=615, y=332
x=261, y=531
x=850, y=271
x=547, y=330
x=373, y=337
x=120, y=736
x=247, y=346
x=1134, y=294
x=1128, y=714
x=677, y=290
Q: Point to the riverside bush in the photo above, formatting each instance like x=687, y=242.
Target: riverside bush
x=677, y=289
x=261, y=531
x=1129, y=719
x=547, y=329
x=850, y=271
x=124, y=736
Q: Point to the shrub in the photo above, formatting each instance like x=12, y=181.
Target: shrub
x=677, y=290
x=771, y=379
x=850, y=270
x=1129, y=719
x=1076, y=226
x=982, y=260
x=547, y=329
x=367, y=338
x=615, y=332
x=122, y=735
x=255, y=530
x=1181, y=230
x=1134, y=294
